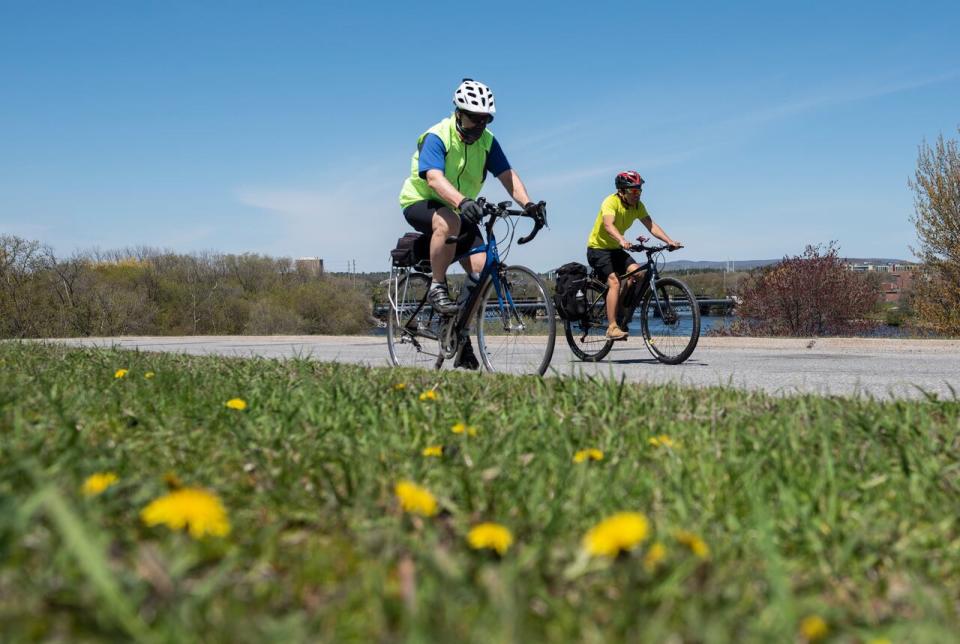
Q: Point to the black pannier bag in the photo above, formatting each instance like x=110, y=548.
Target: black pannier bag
x=411, y=249
x=569, y=298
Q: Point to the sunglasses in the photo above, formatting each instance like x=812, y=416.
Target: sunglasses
x=475, y=119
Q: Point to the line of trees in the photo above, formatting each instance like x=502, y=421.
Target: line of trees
x=145, y=291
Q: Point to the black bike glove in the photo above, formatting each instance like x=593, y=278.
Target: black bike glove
x=536, y=210
x=471, y=211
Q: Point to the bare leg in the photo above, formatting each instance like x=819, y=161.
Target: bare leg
x=474, y=263
x=613, y=297
x=445, y=223
x=633, y=279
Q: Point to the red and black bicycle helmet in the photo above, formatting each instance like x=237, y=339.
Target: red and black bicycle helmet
x=629, y=179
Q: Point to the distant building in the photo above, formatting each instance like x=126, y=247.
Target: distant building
x=310, y=265
x=900, y=281
x=897, y=277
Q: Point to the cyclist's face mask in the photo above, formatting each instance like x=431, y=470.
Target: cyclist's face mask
x=471, y=126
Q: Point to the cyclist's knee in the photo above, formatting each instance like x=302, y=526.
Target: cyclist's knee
x=445, y=222
x=613, y=281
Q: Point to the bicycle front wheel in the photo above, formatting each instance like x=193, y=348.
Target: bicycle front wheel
x=516, y=328
x=670, y=321
x=587, y=336
x=412, y=325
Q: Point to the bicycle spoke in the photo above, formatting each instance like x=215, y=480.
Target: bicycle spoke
x=412, y=326
x=516, y=331
x=587, y=338
x=670, y=321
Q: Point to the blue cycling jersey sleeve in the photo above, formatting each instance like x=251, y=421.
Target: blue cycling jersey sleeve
x=433, y=156
x=496, y=160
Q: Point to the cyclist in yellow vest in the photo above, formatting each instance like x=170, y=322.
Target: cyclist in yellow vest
x=606, y=246
x=446, y=174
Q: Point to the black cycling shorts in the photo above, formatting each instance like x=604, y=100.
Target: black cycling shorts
x=420, y=216
x=609, y=260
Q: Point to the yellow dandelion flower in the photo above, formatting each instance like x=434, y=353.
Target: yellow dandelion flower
x=236, y=403
x=121, y=373
x=429, y=394
x=490, y=535
x=620, y=532
x=97, y=483
x=463, y=428
x=591, y=454
x=400, y=386
x=198, y=510
x=415, y=499
x=879, y=640
x=813, y=628
x=697, y=545
x=149, y=375
x=662, y=441
x=656, y=554
x=433, y=450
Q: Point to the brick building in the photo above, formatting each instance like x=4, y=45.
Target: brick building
x=896, y=278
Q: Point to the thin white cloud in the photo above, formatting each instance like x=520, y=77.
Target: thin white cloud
x=848, y=94
x=339, y=221
x=576, y=176
x=548, y=137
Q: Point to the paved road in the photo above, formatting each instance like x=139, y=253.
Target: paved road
x=878, y=368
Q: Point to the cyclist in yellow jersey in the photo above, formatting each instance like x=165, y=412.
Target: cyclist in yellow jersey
x=606, y=246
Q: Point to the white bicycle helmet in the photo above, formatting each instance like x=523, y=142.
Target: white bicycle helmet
x=474, y=96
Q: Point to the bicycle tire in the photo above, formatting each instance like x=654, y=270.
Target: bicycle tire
x=672, y=336
x=587, y=337
x=412, y=325
x=511, y=338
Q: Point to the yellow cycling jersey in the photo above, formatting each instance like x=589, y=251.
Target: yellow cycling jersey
x=623, y=218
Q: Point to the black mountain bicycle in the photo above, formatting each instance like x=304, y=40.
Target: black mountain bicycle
x=510, y=309
x=669, y=313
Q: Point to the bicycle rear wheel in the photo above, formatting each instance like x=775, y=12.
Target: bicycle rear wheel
x=670, y=322
x=587, y=337
x=412, y=326
x=516, y=328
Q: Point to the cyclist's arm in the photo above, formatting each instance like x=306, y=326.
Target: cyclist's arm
x=658, y=232
x=444, y=189
x=511, y=182
x=431, y=168
x=613, y=232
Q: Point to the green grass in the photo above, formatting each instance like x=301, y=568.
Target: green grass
x=839, y=508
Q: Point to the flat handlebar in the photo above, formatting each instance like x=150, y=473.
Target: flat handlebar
x=649, y=250
x=502, y=209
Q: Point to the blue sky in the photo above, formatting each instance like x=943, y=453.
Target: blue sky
x=286, y=128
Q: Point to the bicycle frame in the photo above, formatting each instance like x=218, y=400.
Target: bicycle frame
x=649, y=281
x=490, y=271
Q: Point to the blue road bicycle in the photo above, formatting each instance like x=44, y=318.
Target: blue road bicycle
x=510, y=309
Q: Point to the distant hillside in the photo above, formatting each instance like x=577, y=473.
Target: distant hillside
x=747, y=264
x=740, y=265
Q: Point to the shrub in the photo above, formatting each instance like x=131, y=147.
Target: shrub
x=811, y=294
